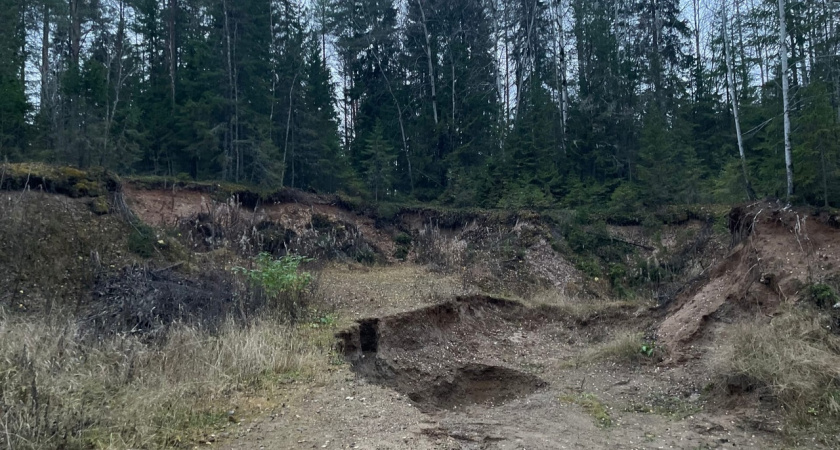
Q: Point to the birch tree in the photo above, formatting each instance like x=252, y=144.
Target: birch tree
x=733, y=94
x=783, y=56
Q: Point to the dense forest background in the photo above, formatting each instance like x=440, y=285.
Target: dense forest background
x=495, y=103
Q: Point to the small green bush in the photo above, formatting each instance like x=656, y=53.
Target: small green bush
x=278, y=276
x=388, y=211
x=403, y=239
x=589, y=266
x=401, y=253
x=366, y=256
x=141, y=241
x=823, y=295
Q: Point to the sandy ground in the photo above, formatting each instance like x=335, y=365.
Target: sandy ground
x=649, y=406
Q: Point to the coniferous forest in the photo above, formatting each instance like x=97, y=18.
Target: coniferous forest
x=492, y=103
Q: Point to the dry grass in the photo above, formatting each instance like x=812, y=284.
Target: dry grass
x=58, y=392
x=623, y=348
x=584, y=310
x=794, y=358
x=366, y=292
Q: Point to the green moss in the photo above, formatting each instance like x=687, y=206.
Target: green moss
x=71, y=173
x=589, y=266
x=60, y=180
x=99, y=206
x=87, y=188
x=676, y=408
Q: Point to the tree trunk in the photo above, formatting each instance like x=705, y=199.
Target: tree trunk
x=526, y=62
x=454, y=80
x=761, y=68
x=428, y=49
x=697, y=31
x=402, y=124
x=231, y=88
x=45, y=55
x=288, y=129
x=783, y=56
x=733, y=94
x=742, y=49
x=75, y=32
x=111, y=109
x=173, y=60
x=505, y=20
x=824, y=175
x=835, y=66
x=562, y=82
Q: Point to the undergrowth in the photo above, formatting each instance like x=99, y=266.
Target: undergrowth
x=61, y=392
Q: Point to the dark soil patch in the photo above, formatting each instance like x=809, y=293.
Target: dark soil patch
x=146, y=302
x=432, y=355
x=476, y=384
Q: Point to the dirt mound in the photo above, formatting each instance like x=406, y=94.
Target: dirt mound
x=778, y=255
x=499, y=254
x=433, y=355
x=52, y=248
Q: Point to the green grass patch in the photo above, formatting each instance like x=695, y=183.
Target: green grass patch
x=676, y=408
x=592, y=405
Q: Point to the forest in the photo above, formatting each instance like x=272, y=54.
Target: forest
x=491, y=103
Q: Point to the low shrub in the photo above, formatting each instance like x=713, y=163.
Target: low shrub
x=280, y=280
x=141, y=241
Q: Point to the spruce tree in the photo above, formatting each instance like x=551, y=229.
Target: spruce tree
x=13, y=103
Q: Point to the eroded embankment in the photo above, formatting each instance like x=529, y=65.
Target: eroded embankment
x=778, y=256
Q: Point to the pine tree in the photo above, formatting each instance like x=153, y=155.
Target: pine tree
x=818, y=154
x=378, y=163
x=13, y=103
x=668, y=166
x=368, y=49
x=322, y=164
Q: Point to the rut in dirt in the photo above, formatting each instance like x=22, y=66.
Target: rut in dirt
x=441, y=356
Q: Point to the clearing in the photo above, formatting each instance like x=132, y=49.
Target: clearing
x=422, y=329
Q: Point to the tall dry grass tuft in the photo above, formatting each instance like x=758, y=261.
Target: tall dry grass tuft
x=581, y=309
x=59, y=392
x=795, y=358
